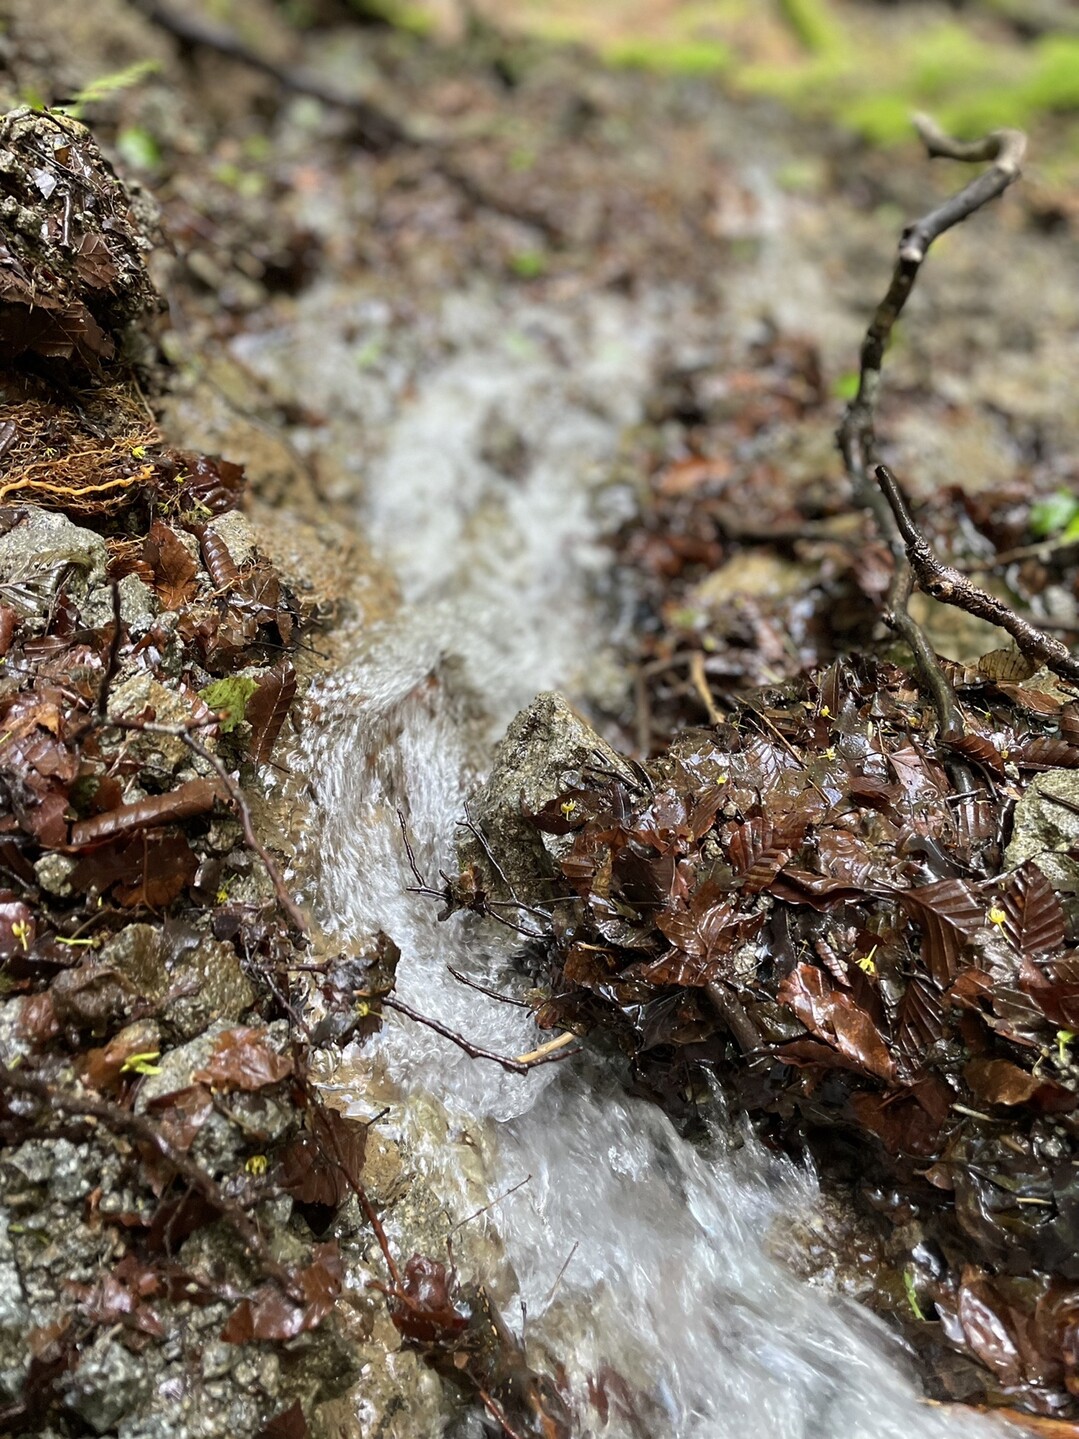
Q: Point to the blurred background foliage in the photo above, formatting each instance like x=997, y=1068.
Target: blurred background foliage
x=864, y=64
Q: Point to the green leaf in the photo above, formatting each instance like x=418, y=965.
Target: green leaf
x=138, y=148
x=1054, y=513
x=912, y=1295
x=229, y=697
x=106, y=86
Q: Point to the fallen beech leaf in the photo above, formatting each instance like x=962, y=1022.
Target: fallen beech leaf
x=948, y=915
x=289, y=1424
x=267, y=709
x=271, y=1314
x=186, y=800
x=315, y=1166
x=1034, y=915
x=173, y=565
x=997, y=1081
x=426, y=1311
x=243, y=1059
x=836, y=1019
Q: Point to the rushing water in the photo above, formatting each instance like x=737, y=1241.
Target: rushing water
x=632, y=1251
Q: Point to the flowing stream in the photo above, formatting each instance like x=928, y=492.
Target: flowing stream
x=636, y=1259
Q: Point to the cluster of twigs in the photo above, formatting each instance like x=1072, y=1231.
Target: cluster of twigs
x=916, y=562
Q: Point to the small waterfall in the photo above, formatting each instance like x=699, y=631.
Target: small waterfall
x=640, y=1260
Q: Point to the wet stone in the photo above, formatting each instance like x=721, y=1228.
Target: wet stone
x=108, y=1383
x=1045, y=832
x=14, y=1318
x=43, y=550
x=138, y=606
x=545, y=750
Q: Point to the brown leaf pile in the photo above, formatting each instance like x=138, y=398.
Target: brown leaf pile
x=810, y=903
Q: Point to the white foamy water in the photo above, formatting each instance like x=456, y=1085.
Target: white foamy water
x=634, y=1252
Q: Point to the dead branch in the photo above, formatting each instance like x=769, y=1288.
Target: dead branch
x=112, y=659
x=857, y=431
x=139, y=1129
x=546, y=1054
x=952, y=587
x=379, y=130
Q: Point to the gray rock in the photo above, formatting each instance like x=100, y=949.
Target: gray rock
x=1045, y=832
x=41, y=551
x=133, y=699
x=545, y=750
x=138, y=955
x=53, y=873
x=235, y=530
x=108, y=1383
x=14, y=1318
x=138, y=606
x=210, y=984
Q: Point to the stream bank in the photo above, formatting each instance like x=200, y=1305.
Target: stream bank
x=380, y=354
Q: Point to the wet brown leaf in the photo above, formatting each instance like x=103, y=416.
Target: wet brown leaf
x=173, y=566
x=1034, y=915
x=316, y=1166
x=268, y=708
x=948, y=915
x=835, y=1018
x=243, y=1058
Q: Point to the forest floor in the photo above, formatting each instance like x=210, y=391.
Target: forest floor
x=320, y=275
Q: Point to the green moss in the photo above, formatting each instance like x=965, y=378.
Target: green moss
x=528, y=264
x=138, y=148
x=397, y=13
x=675, y=57
x=1055, y=82
x=813, y=23
x=229, y=697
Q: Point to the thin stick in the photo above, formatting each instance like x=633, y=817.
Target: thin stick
x=534, y=1055
x=559, y=1276
x=497, y=1200
x=476, y=1051
x=933, y=678
x=380, y=130
x=953, y=588
x=482, y=988
x=112, y=659
x=700, y=684
x=857, y=431
x=1005, y=148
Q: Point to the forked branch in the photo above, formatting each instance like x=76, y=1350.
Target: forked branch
x=857, y=436
x=954, y=588
x=1005, y=148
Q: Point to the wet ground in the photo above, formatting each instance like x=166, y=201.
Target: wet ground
x=446, y=410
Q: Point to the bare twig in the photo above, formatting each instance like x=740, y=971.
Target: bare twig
x=483, y=989
x=700, y=683
x=380, y=130
x=112, y=659
x=546, y=1054
x=953, y=588
x=857, y=432
x=1005, y=148
x=488, y=1207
